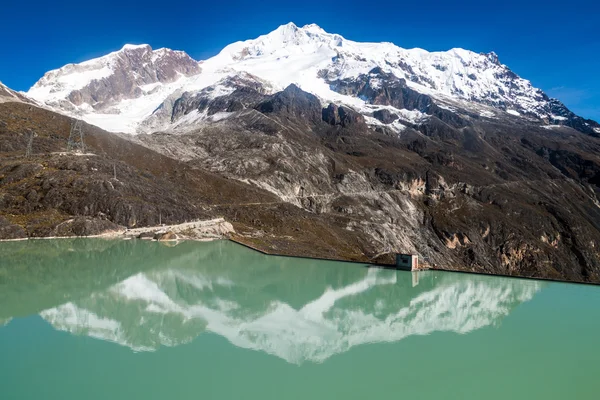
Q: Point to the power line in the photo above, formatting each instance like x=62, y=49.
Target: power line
x=29, y=144
x=29, y=149
x=76, y=136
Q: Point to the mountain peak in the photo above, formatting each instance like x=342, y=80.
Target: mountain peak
x=290, y=32
x=289, y=25
x=281, y=42
x=287, y=32
x=313, y=28
x=493, y=57
x=292, y=29
x=136, y=47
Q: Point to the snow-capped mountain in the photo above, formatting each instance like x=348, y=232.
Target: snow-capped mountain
x=147, y=311
x=134, y=89
x=125, y=85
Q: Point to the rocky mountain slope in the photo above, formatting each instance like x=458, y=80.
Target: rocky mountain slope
x=119, y=183
x=313, y=144
x=9, y=95
x=499, y=196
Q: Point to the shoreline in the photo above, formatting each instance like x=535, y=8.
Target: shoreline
x=201, y=230
x=112, y=237
x=219, y=229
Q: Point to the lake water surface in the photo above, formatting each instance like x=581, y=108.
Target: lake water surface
x=111, y=319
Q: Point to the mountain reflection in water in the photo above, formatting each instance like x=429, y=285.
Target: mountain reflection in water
x=147, y=295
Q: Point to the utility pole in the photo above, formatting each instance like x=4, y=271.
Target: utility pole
x=29, y=149
x=76, y=136
x=115, y=171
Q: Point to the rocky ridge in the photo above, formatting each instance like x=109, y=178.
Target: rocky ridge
x=9, y=95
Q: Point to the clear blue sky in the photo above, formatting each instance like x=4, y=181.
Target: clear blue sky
x=555, y=44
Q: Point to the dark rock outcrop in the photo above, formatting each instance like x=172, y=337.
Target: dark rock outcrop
x=11, y=231
x=381, y=88
x=247, y=90
x=330, y=114
x=146, y=235
x=385, y=116
x=564, y=116
x=293, y=102
x=342, y=115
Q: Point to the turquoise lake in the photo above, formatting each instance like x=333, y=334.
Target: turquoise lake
x=113, y=319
